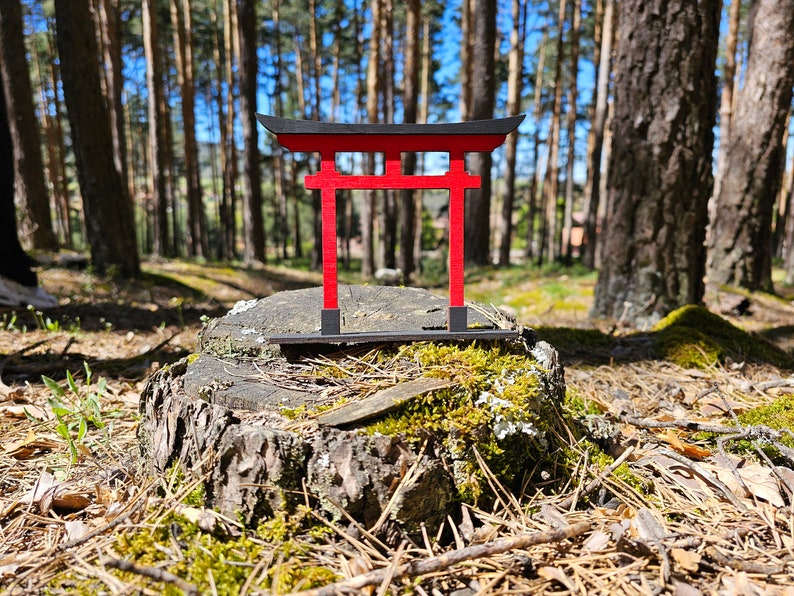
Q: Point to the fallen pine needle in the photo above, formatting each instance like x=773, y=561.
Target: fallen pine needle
x=446, y=560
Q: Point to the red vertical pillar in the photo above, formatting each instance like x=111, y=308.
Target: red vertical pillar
x=329, y=318
x=457, y=318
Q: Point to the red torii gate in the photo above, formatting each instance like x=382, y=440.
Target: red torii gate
x=328, y=139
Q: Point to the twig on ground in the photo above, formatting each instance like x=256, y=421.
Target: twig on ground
x=571, y=500
x=755, y=432
x=742, y=565
x=446, y=560
x=153, y=573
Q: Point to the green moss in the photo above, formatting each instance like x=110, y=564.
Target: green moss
x=688, y=348
x=694, y=337
x=495, y=406
x=212, y=562
x=778, y=415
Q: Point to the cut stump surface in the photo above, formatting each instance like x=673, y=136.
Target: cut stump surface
x=271, y=426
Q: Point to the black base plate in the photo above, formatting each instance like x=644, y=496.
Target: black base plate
x=392, y=336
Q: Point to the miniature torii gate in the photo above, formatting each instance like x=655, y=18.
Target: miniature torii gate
x=328, y=139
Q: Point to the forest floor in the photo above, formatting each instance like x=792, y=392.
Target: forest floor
x=694, y=494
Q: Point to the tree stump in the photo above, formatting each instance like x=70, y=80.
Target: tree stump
x=360, y=431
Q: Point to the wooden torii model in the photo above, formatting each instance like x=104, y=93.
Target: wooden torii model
x=328, y=139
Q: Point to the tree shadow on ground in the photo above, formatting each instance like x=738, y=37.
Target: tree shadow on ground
x=692, y=337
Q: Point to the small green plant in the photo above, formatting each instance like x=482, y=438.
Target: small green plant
x=75, y=408
x=8, y=322
x=42, y=322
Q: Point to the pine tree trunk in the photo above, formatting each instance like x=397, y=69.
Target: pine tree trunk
x=282, y=228
x=181, y=17
x=107, y=207
x=551, y=181
x=532, y=194
x=783, y=213
x=368, y=210
x=59, y=144
x=49, y=128
x=253, y=221
x=110, y=30
x=28, y=163
x=659, y=171
x=466, y=61
x=157, y=125
x=389, y=216
x=567, y=223
x=230, y=148
x=410, y=104
x=592, y=196
x=423, y=113
x=478, y=201
x=788, y=242
x=740, y=246
x=515, y=78
x=727, y=95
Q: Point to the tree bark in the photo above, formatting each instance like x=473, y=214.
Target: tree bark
x=107, y=206
x=740, y=246
x=515, y=78
x=110, y=27
x=368, y=210
x=478, y=201
x=660, y=166
x=182, y=19
x=410, y=105
x=230, y=148
x=727, y=95
x=592, y=196
x=16, y=263
x=28, y=163
x=389, y=216
x=567, y=222
x=466, y=60
x=157, y=126
x=279, y=175
x=551, y=181
x=253, y=220
x=532, y=194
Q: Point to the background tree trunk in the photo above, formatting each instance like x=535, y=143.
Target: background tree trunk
x=567, y=222
x=515, y=78
x=389, y=216
x=28, y=164
x=182, y=19
x=660, y=168
x=478, y=201
x=551, y=182
x=410, y=105
x=740, y=246
x=110, y=33
x=537, y=112
x=727, y=96
x=157, y=126
x=253, y=220
x=16, y=262
x=466, y=58
x=109, y=219
x=368, y=210
x=592, y=195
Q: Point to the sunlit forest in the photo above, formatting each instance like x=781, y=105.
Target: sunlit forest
x=170, y=108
